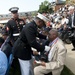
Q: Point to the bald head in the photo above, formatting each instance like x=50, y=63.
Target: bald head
x=53, y=34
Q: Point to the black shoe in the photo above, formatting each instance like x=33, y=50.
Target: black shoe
x=73, y=49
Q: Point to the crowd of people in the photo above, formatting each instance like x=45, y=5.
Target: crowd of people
x=35, y=46
x=63, y=19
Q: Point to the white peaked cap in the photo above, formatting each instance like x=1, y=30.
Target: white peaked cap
x=14, y=9
x=71, y=7
x=42, y=17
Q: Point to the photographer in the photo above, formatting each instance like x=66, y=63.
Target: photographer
x=56, y=56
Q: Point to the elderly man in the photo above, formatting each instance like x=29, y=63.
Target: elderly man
x=56, y=56
x=72, y=23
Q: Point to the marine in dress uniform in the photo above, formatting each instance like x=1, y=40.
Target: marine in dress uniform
x=14, y=27
x=28, y=36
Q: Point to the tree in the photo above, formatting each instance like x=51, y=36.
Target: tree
x=45, y=7
x=70, y=2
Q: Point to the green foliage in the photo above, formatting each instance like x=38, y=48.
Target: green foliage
x=66, y=71
x=72, y=2
x=34, y=13
x=45, y=7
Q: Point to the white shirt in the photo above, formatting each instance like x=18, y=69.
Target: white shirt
x=52, y=50
x=65, y=20
x=72, y=19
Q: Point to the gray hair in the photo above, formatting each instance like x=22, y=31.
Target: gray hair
x=71, y=7
x=54, y=31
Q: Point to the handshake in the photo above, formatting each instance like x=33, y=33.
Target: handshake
x=42, y=56
x=47, y=48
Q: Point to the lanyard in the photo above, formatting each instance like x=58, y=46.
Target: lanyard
x=52, y=43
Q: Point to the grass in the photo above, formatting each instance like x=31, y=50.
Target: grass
x=66, y=71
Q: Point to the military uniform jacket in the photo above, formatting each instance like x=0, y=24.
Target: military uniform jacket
x=14, y=27
x=28, y=36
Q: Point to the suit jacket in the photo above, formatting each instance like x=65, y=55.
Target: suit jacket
x=7, y=48
x=58, y=58
x=70, y=21
x=28, y=36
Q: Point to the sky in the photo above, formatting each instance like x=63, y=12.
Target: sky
x=24, y=5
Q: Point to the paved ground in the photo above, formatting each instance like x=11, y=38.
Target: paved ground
x=70, y=58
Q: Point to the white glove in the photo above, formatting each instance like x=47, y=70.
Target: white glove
x=47, y=37
x=47, y=48
x=38, y=62
x=39, y=53
x=33, y=49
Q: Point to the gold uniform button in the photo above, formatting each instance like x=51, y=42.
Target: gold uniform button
x=18, y=27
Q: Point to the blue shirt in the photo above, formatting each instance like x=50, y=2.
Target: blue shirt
x=3, y=63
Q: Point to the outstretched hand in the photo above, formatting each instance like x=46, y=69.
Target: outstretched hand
x=35, y=53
